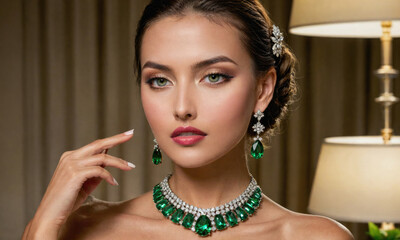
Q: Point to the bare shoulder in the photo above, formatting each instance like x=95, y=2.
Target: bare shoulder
x=318, y=227
x=282, y=223
x=98, y=219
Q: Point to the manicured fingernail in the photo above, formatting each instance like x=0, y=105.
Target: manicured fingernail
x=131, y=165
x=130, y=132
x=115, y=181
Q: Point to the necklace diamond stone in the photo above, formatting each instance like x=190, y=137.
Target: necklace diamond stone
x=203, y=221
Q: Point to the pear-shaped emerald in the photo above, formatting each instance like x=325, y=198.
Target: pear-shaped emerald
x=219, y=222
x=257, y=149
x=203, y=226
x=231, y=218
x=241, y=213
x=177, y=216
x=188, y=220
x=157, y=156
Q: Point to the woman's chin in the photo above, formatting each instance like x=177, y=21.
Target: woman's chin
x=193, y=160
x=191, y=165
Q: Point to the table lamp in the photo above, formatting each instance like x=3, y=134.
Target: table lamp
x=357, y=178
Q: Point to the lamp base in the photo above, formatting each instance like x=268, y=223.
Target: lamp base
x=387, y=226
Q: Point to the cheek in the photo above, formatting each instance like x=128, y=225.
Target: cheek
x=232, y=108
x=153, y=109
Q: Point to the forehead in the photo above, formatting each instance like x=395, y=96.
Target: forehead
x=191, y=37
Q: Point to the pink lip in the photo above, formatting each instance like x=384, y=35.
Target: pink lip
x=187, y=140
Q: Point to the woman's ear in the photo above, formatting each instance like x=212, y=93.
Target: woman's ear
x=265, y=90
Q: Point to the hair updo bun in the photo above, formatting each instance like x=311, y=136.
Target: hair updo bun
x=252, y=21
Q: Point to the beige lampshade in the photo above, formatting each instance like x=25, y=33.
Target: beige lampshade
x=358, y=179
x=344, y=18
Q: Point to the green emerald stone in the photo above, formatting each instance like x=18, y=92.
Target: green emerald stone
x=257, y=190
x=257, y=149
x=203, y=226
x=241, y=213
x=168, y=210
x=158, y=198
x=250, y=203
x=177, y=216
x=157, y=157
x=156, y=194
x=256, y=195
x=248, y=208
x=188, y=220
x=157, y=187
x=254, y=202
x=160, y=205
x=219, y=222
x=231, y=218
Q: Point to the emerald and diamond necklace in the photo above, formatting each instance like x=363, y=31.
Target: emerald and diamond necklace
x=203, y=221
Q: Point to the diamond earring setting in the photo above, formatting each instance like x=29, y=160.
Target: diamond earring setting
x=257, y=149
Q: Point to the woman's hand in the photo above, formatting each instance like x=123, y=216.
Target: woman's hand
x=77, y=174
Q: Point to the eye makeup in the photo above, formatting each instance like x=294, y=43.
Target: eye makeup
x=158, y=82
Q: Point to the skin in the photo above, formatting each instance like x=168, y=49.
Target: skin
x=206, y=174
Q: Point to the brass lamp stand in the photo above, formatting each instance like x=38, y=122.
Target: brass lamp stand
x=386, y=73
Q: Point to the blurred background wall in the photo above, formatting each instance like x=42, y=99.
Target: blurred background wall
x=66, y=79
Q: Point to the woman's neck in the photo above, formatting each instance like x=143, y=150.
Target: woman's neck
x=214, y=184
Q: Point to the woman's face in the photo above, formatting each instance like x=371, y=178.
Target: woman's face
x=198, y=74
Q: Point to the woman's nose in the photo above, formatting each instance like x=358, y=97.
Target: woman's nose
x=185, y=107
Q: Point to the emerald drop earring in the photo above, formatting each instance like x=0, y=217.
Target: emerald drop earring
x=257, y=149
x=157, y=156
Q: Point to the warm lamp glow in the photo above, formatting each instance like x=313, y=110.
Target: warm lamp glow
x=358, y=180
x=344, y=18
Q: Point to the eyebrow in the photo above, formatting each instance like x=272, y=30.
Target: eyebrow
x=196, y=66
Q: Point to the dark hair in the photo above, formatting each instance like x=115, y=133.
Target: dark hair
x=251, y=19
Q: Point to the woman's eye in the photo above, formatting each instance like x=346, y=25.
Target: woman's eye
x=161, y=82
x=216, y=78
x=158, y=82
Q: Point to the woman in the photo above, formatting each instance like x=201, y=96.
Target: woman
x=215, y=80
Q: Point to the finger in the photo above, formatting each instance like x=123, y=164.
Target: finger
x=100, y=145
x=105, y=160
x=96, y=171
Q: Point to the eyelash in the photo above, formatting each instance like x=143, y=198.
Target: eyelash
x=225, y=77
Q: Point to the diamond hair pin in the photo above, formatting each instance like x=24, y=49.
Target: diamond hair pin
x=277, y=38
